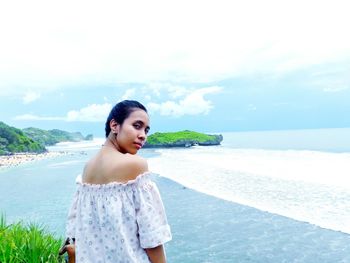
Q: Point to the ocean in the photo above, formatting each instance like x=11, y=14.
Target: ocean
x=272, y=196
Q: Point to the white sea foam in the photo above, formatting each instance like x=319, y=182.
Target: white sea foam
x=77, y=146
x=308, y=186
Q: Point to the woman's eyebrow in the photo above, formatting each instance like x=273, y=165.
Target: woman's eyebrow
x=139, y=122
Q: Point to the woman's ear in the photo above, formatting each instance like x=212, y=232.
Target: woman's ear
x=114, y=126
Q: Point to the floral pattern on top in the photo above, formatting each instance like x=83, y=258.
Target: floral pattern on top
x=115, y=222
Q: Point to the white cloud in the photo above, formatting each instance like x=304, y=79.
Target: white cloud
x=193, y=103
x=32, y=117
x=159, y=90
x=165, y=108
x=128, y=94
x=330, y=83
x=30, y=97
x=335, y=89
x=176, y=91
x=149, y=42
x=154, y=89
x=91, y=113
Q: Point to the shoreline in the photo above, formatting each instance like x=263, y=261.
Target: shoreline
x=258, y=236
x=8, y=161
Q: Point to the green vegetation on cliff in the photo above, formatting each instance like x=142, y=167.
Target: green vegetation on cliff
x=13, y=140
x=51, y=137
x=33, y=140
x=181, y=139
x=28, y=243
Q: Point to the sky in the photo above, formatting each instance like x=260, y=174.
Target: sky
x=208, y=66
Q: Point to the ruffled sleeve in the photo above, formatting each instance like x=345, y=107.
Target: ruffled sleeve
x=72, y=215
x=150, y=214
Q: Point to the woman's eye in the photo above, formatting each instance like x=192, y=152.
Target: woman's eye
x=137, y=126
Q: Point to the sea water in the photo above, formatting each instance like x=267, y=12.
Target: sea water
x=279, y=196
x=304, y=185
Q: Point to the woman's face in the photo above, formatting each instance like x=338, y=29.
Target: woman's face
x=132, y=134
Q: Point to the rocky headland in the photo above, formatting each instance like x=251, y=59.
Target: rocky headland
x=182, y=139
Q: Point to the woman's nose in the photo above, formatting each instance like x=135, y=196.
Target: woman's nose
x=142, y=134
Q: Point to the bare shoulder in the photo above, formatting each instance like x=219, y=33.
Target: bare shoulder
x=133, y=166
x=88, y=169
x=137, y=164
x=105, y=168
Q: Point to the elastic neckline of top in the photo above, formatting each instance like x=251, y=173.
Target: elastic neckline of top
x=113, y=183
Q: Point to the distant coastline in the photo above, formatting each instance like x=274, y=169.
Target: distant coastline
x=34, y=140
x=19, y=146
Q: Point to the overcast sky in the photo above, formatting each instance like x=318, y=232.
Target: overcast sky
x=201, y=65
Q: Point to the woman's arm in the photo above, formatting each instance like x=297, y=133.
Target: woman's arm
x=156, y=254
x=71, y=253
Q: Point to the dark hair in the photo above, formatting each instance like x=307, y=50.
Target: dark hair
x=121, y=111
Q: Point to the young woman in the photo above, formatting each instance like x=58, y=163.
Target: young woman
x=117, y=213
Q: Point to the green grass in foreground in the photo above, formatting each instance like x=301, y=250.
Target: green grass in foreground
x=27, y=244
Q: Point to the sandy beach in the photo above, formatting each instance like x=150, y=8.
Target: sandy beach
x=21, y=158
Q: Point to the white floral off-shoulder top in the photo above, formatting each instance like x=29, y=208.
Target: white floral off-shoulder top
x=114, y=222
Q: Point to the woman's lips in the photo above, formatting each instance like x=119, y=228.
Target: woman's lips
x=138, y=145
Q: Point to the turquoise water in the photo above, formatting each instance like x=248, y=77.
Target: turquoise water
x=330, y=140
x=40, y=191
x=207, y=228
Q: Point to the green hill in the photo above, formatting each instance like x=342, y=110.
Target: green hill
x=33, y=140
x=51, y=137
x=181, y=139
x=13, y=140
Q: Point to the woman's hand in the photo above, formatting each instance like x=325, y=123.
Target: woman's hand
x=70, y=249
x=156, y=254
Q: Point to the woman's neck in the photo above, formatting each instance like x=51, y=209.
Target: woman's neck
x=111, y=143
